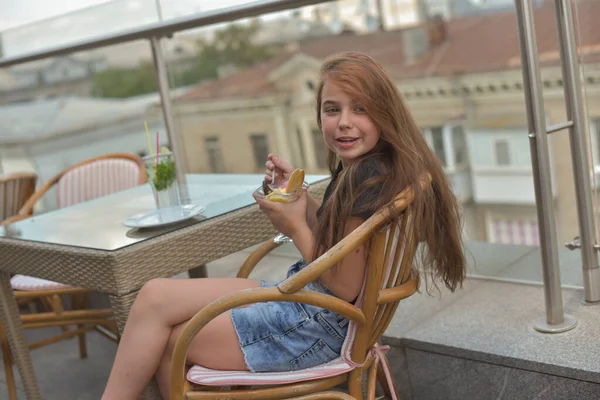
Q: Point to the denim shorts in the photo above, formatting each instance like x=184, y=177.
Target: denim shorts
x=287, y=336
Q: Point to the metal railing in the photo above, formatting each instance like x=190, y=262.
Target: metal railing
x=556, y=320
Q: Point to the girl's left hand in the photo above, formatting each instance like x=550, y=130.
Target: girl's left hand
x=285, y=217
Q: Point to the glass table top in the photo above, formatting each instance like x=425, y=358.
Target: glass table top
x=99, y=223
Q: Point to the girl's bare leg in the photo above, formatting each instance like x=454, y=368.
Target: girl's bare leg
x=161, y=305
x=204, y=350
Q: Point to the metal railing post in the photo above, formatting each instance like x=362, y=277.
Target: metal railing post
x=575, y=104
x=555, y=320
x=163, y=88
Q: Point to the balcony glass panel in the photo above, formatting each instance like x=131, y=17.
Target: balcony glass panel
x=459, y=72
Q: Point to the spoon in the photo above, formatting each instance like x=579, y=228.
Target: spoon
x=272, y=184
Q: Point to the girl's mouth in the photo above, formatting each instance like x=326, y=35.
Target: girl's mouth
x=346, y=142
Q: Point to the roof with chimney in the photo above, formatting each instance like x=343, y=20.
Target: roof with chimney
x=467, y=45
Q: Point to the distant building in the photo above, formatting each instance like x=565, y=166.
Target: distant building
x=466, y=97
x=449, y=9
x=73, y=75
x=62, y=76
x=282, y=31
x=362, y=16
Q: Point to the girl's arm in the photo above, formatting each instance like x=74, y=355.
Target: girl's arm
x=304, y=241
x=346, y=278
x=311, y=212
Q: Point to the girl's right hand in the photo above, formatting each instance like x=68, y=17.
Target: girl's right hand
x=283, y=172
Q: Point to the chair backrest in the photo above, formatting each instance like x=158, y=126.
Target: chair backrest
x=92, y=178
x=390, y=276
x=15, y=190
x=97, y=178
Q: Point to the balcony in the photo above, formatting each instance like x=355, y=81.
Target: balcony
x=230, y=109
x=503, y=186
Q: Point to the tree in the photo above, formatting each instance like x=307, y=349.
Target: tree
x=231, y=46
x=234, y=45
x=123, y=82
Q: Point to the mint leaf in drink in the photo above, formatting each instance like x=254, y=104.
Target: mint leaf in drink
x=164, y=174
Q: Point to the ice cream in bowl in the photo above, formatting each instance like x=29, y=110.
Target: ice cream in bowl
x=285, y=192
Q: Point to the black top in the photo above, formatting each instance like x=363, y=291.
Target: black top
x=367, y=170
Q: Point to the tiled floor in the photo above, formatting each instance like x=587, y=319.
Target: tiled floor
x=491, y=318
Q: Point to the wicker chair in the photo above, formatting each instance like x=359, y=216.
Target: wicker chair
x=15, y=190
x=86, y=180
x=390, y=277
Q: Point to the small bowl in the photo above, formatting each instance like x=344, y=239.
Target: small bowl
x=285, y=197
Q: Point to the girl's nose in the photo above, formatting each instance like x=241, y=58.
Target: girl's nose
x=345, y=120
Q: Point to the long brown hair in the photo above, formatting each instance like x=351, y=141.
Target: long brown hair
x=402, y=156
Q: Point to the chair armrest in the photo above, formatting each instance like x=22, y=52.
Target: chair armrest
x=14, y=219
x=242, y=298
x=257, y=255
x=27, y=208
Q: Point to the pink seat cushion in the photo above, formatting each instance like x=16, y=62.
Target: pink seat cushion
x=210, y=377
x=23, y=282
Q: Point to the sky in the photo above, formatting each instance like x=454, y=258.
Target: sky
x=19, y=12
x=60, y=22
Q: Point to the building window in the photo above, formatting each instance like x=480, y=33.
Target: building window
x=260, y=148
x=321, y=149
x=459, y=146
x=517, y=232
x=215, y=157
x=502, y=152
x=436, y=140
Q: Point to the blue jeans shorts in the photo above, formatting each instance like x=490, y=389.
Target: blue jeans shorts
x=286, y=336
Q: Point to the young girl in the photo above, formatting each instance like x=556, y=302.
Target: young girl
x=375, y=151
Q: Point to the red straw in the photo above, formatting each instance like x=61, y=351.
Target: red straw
x=157, y=148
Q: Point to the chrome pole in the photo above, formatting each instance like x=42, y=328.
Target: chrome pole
x=555, y=320
x=575, y=103
x=160, y=67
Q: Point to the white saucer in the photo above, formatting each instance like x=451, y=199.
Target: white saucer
x=164, y=216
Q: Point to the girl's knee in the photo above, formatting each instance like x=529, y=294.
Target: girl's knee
x=151, y=295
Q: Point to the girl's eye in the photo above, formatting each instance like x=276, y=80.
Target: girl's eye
x=360, y=109
x=331, y=110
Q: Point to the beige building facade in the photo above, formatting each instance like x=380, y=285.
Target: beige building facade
x=471, y=110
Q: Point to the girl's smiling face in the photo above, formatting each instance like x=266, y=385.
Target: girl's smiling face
x=348, y=131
